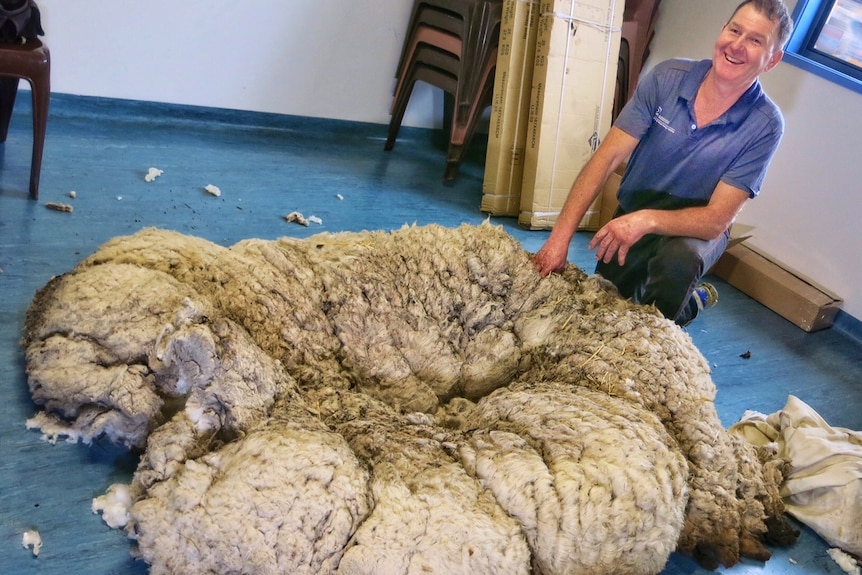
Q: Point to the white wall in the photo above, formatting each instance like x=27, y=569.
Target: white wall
x=319, y=58
x=809, y=214
x=337, y=59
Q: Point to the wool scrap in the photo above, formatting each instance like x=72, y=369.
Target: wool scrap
x=58, y=207
x=32, y=540
x=296, y=217
x=844, y=560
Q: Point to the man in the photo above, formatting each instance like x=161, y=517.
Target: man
x=699, y=136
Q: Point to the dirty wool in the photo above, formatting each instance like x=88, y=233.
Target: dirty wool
x=396, y=402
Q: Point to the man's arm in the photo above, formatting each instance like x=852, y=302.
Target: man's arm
x=707, y=222
x=615, y=148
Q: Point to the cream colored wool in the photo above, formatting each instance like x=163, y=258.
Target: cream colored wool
x=203, y=353
x=594, y=480
x=429, y=515
x=267, y=505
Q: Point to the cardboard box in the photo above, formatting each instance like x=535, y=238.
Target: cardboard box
x=783, y=291
x=574, y=79
x=507, y=131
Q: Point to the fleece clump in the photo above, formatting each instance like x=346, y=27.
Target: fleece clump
x=399, y=402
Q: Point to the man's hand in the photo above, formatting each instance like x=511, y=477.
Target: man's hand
x=616, y=146
x=705, y=222
x=551, y=257
x=617, y=236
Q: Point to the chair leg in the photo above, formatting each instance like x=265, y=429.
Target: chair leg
x=41, y=89
x=8, y=90
x=399, y=106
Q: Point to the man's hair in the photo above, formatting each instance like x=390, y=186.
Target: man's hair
x=777, y=13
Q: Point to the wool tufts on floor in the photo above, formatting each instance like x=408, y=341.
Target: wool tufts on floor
x=405, y=402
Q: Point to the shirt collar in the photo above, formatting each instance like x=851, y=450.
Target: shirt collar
x=738, y=112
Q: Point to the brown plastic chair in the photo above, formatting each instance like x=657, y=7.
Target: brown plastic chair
x=477, y=23
x=31, y=62
x=439, y=41
x=465, y=34
x=461, y=136
x=429, y=17
x=425, y=56
x=481, y=39
x=427, y=62
x=419, y=71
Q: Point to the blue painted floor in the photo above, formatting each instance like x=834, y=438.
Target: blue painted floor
x=267, y=166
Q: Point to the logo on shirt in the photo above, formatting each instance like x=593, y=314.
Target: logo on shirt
x=662, y=121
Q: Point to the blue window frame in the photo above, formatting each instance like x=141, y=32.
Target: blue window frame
x=827, y=40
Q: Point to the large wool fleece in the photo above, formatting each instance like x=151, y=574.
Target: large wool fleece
x=402, y=402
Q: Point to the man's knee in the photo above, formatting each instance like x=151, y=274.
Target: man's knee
x=679, y=258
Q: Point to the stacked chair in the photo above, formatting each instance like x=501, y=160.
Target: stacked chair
x=451, y=45
x=639, y=20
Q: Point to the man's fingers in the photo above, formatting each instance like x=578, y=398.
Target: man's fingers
x=542, y=266
x=621, y=255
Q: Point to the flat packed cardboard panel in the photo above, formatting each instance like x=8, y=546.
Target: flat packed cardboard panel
x=792, y=297
x=504, y=160
x=574, y=78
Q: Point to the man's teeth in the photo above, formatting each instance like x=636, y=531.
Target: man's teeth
x=732, y=60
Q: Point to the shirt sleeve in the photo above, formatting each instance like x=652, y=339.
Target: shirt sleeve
x=637, y=115
x=748, y=169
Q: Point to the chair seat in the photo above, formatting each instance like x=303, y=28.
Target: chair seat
x=430, y=17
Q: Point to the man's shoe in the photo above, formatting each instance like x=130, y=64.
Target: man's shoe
x=705, y=295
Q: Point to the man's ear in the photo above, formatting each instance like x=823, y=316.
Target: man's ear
x=776, y=58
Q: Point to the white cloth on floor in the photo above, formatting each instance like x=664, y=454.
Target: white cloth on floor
x=824, y=486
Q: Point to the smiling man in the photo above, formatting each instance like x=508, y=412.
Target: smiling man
x=699, y=136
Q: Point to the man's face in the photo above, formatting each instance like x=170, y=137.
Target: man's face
x=745, y=48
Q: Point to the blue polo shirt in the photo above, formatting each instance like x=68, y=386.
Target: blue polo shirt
x=681, y=164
